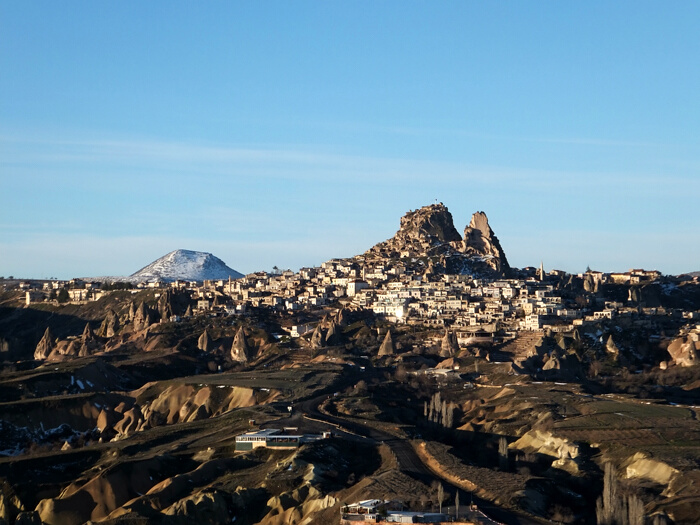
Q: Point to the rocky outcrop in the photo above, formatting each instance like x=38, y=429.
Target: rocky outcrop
x=28, y=518
x=480, y=240
x=10, y=505
x=131, y=312
x=341, y=317
x=430, y=233
x=175, y=404
x=318, y=339
x=45, y=346
x=643, y=467
x=387, y=347
x=611, y=348
x=422, y=231
x=89, y=343
x=73, y=509
x=132, y=421
x=553, y=362
x=433, y=223
x=205, y=343
x=566, y=454
x=110, y=325
x=240, y=351
x=449, y=346
x=143, y=317
x=683, y=351
x=207, y=507
x=333, y=334
x=165, y=306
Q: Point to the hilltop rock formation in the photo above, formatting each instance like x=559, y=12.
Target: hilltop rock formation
x=45, y=346
x=429, y=232
x=240, y=352
x=480, y=240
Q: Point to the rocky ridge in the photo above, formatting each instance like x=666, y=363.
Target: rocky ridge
x=429, y=232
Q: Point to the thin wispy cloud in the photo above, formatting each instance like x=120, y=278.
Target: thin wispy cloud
x=291, y=162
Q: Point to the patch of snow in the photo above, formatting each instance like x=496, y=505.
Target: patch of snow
x=186, y=265
x=667, y=288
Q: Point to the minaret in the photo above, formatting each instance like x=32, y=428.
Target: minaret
x=540, y=272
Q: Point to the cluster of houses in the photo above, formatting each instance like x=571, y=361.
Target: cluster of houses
x=391, y=290
x=77, y=290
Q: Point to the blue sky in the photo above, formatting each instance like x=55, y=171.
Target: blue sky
x=287, y=133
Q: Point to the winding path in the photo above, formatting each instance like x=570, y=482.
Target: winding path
x=408, y=460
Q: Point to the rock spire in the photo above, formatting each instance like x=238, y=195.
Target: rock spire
x=449, y=346
x=204, y=343
x=317, y=338
x=387, y=347
x=479, y=239
x=45, y=346
x=240, y=352
x=110, y=324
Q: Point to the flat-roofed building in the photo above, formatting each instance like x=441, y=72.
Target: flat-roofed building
x=275, y=438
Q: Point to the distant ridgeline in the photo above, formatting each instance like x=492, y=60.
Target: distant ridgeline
x=185, y=265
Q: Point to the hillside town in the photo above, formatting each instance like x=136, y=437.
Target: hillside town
x=407, y=280
x=471, y=309
x=376, y=388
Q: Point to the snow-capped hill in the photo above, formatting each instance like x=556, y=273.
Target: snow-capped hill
x=187, y=266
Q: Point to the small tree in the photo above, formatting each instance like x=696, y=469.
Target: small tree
x=440, y=495
x=63, y=296
x=457, y=505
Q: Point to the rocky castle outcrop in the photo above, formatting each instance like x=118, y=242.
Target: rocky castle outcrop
x=429, y=232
